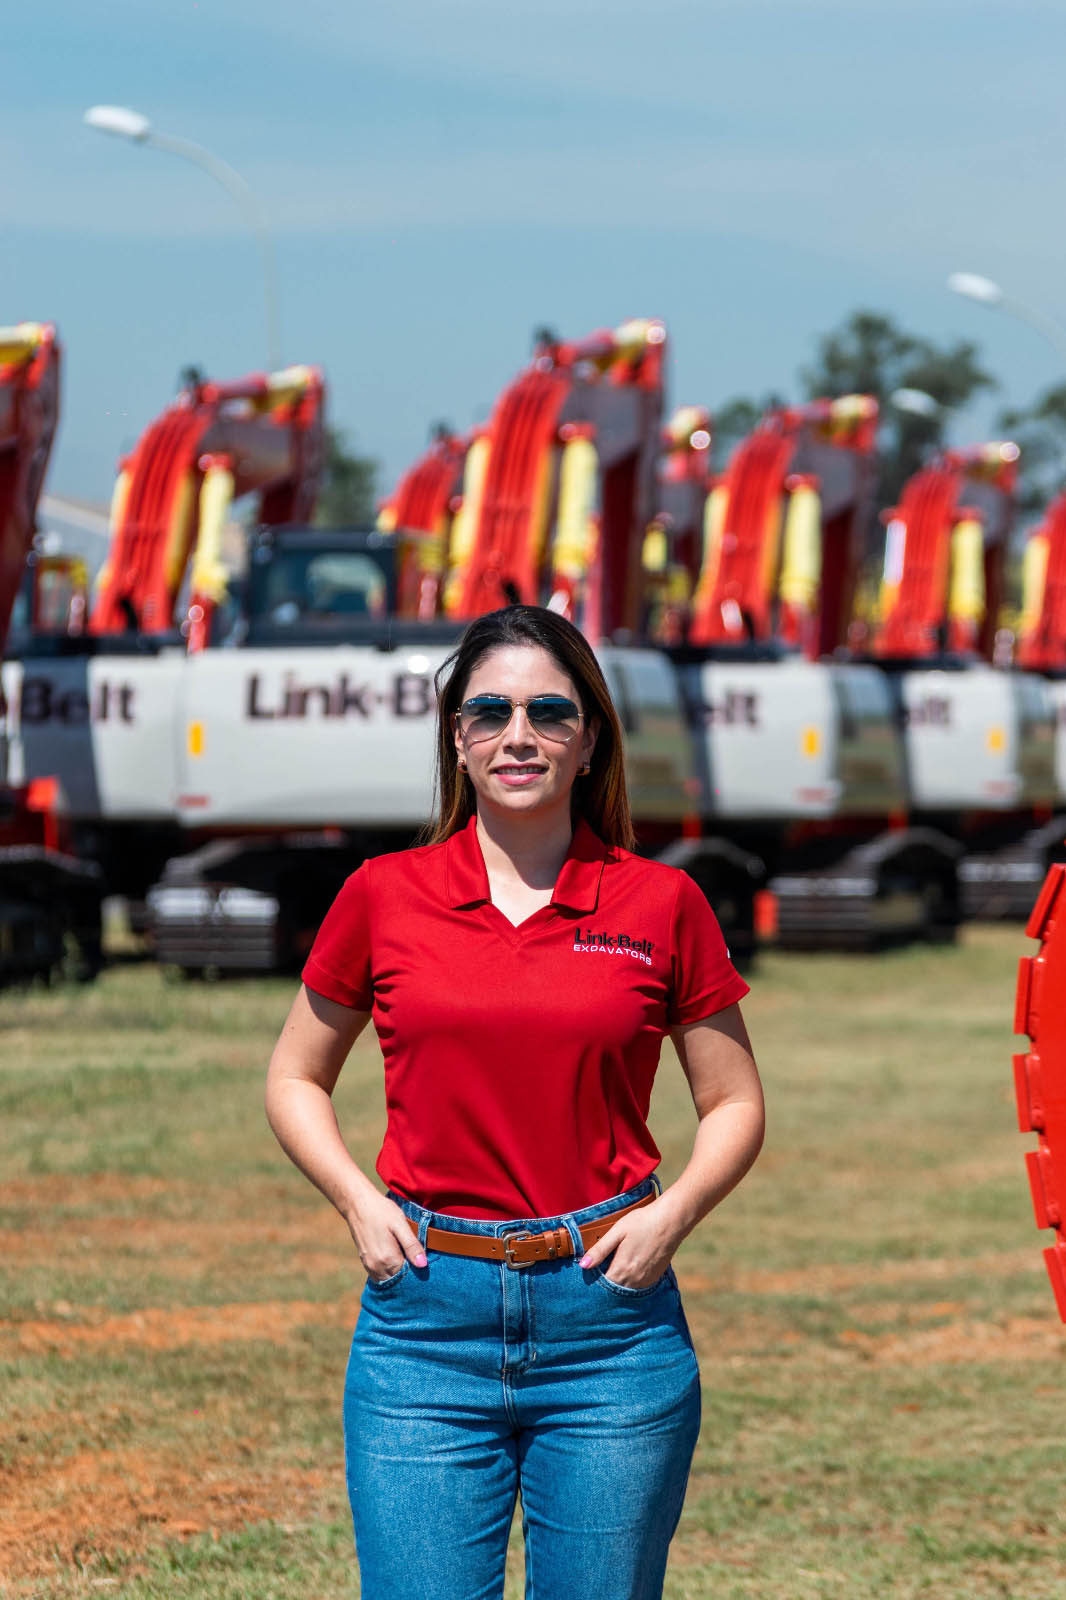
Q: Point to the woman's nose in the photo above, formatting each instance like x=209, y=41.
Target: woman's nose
x=519, y=729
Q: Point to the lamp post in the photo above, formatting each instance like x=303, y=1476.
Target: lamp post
x=131, y=125
x=972, y=286
x=916, y=403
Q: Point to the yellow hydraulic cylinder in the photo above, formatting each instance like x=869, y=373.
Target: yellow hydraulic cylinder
x=801, y=559
x=966, y=592
x=575, y=532
x=209, y=577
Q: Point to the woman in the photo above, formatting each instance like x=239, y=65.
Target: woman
x=520, y=1329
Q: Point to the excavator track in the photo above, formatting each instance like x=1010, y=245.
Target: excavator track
x=1040, y=1071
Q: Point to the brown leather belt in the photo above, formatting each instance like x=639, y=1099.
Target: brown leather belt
x=524, y=1249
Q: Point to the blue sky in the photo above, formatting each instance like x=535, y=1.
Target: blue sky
x=441, y=178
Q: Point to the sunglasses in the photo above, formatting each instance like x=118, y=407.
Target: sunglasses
x=486, y=716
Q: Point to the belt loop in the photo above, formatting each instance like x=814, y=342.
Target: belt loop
x=423, y=1227
x=575, y=1234
x=655, y=1179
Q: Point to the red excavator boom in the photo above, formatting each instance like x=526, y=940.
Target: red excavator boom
x=561, y=487
x=29, y=413
x=420, y=510
x=943, y=577
x=781, y=530
x=217, y=442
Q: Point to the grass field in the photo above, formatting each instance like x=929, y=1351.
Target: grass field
x=883, y=1367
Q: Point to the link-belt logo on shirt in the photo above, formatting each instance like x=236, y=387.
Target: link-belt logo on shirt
x=618, y=944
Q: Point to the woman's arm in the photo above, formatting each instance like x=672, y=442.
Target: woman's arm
x=305, y=1066
x=717, y=1060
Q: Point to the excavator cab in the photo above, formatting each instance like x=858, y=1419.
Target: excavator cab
x=308, y=585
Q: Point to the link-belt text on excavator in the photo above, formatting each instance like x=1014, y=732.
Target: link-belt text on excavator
x=407, y=694
x=39, y=700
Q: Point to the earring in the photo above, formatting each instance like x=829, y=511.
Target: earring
x=462, y=764
x=585, y=770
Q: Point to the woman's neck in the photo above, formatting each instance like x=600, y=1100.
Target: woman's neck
x=531, y=849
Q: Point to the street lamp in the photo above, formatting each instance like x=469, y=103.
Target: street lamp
x=972, y=286
x=916, y=403
x=131, y=125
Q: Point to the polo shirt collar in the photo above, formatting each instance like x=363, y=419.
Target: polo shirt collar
x=577, y=886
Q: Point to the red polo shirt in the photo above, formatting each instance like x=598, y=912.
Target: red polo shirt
x=519, y=1061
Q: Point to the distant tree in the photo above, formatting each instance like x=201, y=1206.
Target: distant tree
x=347, y=497
x=870, y=354
x=1040, y=431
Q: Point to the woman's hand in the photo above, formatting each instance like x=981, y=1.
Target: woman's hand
x=383, y=1236
x=643, y=1243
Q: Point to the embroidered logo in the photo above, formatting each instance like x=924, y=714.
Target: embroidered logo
x=586, y=941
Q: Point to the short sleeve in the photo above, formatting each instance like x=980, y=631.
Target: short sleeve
x=339, y=964
x=704, y=978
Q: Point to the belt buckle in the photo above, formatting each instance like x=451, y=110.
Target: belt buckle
x=511, y=1239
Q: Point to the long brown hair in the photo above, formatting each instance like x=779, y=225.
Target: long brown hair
x=601, y=797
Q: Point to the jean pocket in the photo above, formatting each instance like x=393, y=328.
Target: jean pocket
x=387, y=1283
x=625, y=1292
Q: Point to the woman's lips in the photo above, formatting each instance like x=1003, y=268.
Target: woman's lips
x=517, y=777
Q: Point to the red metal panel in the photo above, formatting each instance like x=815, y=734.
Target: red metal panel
x=1040, y=1073
x=1055, y=1259
x=1029, y=1093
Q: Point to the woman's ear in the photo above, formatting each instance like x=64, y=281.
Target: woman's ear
x=588, y=739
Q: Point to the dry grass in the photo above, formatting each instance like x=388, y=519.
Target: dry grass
x=880, y=1351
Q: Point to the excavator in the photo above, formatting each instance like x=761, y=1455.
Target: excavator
x=979, y=739
x=102, y=711
x=804, y=792
x=550, y=501
x=49, y=900
x=172, y=498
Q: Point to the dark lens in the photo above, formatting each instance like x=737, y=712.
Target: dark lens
x=484, y=716
x=554, y=716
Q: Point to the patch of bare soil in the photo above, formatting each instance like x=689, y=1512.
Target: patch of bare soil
x=155, y=1328
x=1015, y=1339
x=100, y=1502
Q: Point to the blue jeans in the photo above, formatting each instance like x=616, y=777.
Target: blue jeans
x=471, y=1382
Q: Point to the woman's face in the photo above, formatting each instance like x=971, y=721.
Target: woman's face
x=521, y=768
